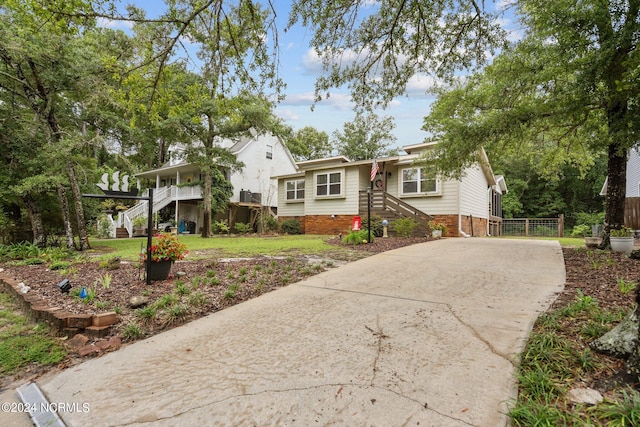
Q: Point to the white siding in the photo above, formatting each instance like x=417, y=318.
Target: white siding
x=633, y=174
x=347, y=205
x=473, y=193
x=255, y=176
x=444, y=204
x=285, y=208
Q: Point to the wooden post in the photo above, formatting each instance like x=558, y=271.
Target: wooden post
x=149, y=235
x=526, y=227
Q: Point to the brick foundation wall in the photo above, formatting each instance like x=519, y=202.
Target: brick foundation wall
x=324, y=224
x=479, y=226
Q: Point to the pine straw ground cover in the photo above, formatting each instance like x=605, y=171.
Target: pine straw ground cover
x=599, y=292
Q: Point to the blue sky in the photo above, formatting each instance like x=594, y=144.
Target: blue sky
x=300, y=66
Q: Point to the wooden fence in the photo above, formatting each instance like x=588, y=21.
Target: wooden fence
x=632, y=212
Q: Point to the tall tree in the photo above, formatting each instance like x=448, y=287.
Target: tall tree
x=309, y=143
x=366, y=137
x=566, y=92
x=40, y=71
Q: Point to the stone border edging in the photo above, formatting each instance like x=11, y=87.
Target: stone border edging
x=97, y=325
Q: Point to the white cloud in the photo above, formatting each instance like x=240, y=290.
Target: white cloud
x=339, y=101
x=110, y=23
x=287, y=114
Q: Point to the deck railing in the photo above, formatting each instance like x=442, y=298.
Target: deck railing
x=381, y=202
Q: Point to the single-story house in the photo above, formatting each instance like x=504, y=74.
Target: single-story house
x=178, y=190
x=325, y=195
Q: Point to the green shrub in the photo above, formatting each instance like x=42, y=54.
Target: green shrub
x=376, y=225
x=357, y=237
x=59, y=265
x=581, y=230
x=290, y=226
x=404, y=226
x=221, y=226
x=242, y=228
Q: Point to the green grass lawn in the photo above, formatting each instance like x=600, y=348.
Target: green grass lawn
x=226, y=246
x=23, y=342
x=564, y=241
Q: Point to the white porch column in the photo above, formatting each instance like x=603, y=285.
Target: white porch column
x=157, y=182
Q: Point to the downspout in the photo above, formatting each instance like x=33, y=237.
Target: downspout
x=489, y=203
x=460, y=231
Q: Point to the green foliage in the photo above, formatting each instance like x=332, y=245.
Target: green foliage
x=621, y=232
x=626, y=286
x=581, y=230
x=376, y=225
x=309, y=143
x=59, y=265
x=132, y=331
x=290, y=226
x=357, y=237
x=367, y=137
x=404, y=226
x=622, y=413
x=221, y=227
x=424, y=51
x=242, y=228
x=23, y=343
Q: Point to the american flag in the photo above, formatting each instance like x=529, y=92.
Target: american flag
x=374, y=169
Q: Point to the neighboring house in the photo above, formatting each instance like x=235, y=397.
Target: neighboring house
x=324, y=195
x=632, y=204
x=178, y=193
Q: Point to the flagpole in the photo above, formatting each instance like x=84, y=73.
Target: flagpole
x=369, y=212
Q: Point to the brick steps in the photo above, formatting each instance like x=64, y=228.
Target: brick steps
x=122, y=233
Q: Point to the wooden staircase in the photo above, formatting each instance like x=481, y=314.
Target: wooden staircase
x=389, y=207
x=122, y=233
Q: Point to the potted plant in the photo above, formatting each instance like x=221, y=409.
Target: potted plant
x=583, y=230
x=165, y=250
x=438, y=229
x=138, y=225
x=621, y=240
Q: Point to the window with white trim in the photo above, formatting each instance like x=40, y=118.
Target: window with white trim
x=328, y=184
x=294, y=190
x=418, y=181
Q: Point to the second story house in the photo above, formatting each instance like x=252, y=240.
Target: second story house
x=178, y=191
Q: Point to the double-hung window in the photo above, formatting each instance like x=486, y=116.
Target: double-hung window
x=329, y=184
x=295, y=190
x=418, y=181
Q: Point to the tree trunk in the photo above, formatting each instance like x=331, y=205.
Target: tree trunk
x=64, y=206
x=78, y=208
x=35, y=216
x=206, y=220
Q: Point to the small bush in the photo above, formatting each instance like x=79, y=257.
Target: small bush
x=59, y=265
x=376, y=225
x=404, y=226
x=242, y=228
x=357, y=237
x=221, y=227
x=290, y=226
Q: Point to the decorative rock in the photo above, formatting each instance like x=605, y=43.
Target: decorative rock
x=77, y=341
x=181, y=274
x=619, y=341
x=587, y=396
x=87, y=350
x=138, y=301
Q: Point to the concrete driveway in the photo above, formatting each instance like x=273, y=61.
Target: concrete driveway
x=426, y=334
